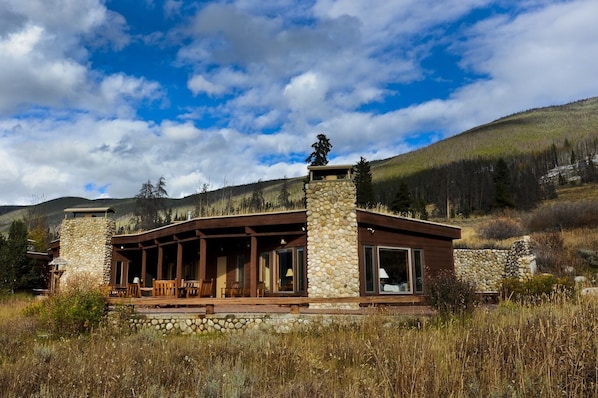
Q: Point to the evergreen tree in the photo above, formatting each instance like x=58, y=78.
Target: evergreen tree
x=419, y=209
x=168, y=216
x=284, y=195
x=257, y=202
x=401, y=203
x=502, y=185
x=16, y=270
x=554, y=157
x=202, y=201
x=588, y=170
x=363, y=184
x=319, y=157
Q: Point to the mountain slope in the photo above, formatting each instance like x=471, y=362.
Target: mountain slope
x=525, y=132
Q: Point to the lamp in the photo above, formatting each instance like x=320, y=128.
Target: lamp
x=382, y=274
x=289, y=273
x=283, y=242
x=136, y=280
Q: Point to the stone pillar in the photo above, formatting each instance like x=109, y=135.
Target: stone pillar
x=86, y=245
x=332, y=256
x=521, y=263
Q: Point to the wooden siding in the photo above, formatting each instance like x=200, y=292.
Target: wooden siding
x=251, y=235
x=411, y=225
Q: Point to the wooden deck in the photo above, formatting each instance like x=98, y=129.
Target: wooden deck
x=294, y=305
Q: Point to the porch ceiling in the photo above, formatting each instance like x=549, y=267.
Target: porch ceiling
x=264, y=224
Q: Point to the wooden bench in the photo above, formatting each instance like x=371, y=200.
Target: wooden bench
x=164, y=288
x=190, y=288
x=235, y=290
x=232, y=290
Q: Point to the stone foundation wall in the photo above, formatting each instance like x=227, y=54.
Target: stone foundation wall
x=188, y=324
x=487, y=267
x=85, y=243
x=332, y=240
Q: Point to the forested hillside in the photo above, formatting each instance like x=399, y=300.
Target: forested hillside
x=526, y=155
x=532, y=131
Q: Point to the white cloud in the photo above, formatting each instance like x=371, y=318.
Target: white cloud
x=19, y=44
x=180, y=132
x=44, y=57
x=26, y=75
x=198, y=84
x=172, y=7
x=542, y=57
x=119, y=94
x=542, y=53
x=306, y=92
x=254, y=82
x=383, y=22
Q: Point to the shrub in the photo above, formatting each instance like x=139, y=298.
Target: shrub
x=549, y=249
x=501, y=228
x=564, y=215
x=589, y=256
x=536, y=289
x=72, y=311
x=450, y=295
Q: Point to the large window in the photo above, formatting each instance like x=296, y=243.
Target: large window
x=265, y=274
x=289, y=270
x=120, y=277
x=393, y=270
x=240, y=270
x=284, y=270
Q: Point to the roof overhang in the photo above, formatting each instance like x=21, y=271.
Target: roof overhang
x=395, y=222
x=88, y=211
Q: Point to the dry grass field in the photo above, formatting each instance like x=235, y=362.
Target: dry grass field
x=547, y=350
x=513, y=350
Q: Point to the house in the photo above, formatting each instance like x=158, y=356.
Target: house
x=330, y=249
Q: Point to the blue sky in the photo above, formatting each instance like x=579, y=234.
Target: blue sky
x=99, y=96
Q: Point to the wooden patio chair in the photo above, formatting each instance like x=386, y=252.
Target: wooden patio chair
x=207, y=288
x=246, y=291
x=162, y=288
x=133, y=290
x=260, y=289
x=231, y=290
x=192, y=288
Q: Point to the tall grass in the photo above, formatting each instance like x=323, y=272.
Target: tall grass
x=544, y=351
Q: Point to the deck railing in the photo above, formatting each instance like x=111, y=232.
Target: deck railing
x=294, y=303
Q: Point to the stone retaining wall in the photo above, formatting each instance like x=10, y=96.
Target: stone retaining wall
x=487, y=267
x=188, y=324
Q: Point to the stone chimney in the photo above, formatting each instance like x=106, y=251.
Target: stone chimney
x=333, y=262
x=86, y=246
